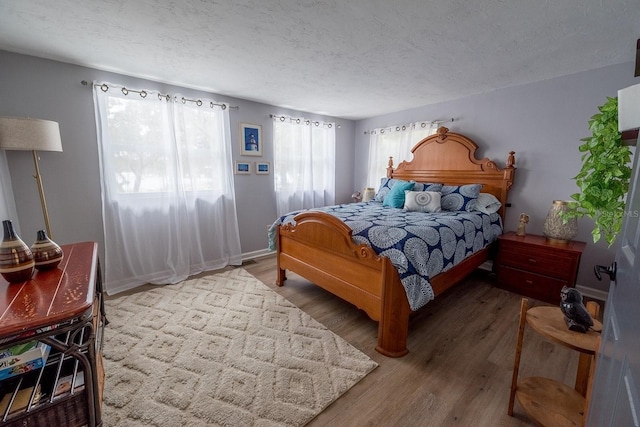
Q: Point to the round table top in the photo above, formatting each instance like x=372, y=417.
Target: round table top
x=549, y=322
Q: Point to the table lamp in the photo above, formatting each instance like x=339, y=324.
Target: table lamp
x=27, y=134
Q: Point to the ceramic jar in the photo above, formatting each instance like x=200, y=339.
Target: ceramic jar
x=46, y=253
x=556, y=229
x=369, y=194
x=16, y=259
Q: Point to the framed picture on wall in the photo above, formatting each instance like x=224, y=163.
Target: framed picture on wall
x=250, y=140
x=263, y=168
x=243, y=168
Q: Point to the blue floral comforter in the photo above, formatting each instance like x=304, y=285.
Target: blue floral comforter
x=419, y=245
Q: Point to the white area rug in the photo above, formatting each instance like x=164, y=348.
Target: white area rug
x=221, y=350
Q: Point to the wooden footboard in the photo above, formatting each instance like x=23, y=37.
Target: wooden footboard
x=319, y=248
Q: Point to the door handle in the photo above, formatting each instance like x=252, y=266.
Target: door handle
x=611, y=270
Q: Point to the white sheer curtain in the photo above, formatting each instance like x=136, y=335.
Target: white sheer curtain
x=167, y=187
x=396, y=142
x=304, y=163
x=7, y=202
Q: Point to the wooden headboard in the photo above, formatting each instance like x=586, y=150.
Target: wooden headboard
x=450, y=158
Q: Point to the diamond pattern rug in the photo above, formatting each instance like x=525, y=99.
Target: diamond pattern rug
x=221, y=350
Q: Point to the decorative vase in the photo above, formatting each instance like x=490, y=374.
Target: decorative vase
x=369, y=194
x=557, y=229
x=16, y=259
x=46, y=253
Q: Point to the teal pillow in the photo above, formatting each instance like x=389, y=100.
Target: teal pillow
x=395, y=196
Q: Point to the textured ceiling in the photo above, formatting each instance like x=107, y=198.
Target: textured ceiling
x=345, y=58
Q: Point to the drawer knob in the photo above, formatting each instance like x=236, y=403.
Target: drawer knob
x=529, y=282
x=533, y=260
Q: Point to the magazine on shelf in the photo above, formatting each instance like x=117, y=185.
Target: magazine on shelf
x=64, y=384
x=20, y=401
x=23, y=358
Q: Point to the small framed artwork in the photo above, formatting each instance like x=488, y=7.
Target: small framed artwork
x=250, y=140
x=243, y=168
x=263, y=168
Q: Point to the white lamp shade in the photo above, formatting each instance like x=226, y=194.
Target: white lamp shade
x=17, y=133
x=629, y=108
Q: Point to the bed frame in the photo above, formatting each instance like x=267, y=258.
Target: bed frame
x=319, y=246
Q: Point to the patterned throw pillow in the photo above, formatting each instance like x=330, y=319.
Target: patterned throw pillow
x=422, y=201
x=385, y=187
x=427, y=186
x=387, y=183
x=460, y=197
x=395, y=196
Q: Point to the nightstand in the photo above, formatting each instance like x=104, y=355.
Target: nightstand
x=533, y=266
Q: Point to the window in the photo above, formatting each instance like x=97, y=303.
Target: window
x=167, y=183
x=142, y=157
x=395, y=142
x=304, y=164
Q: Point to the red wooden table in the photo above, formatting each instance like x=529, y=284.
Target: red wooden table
x=50, y=304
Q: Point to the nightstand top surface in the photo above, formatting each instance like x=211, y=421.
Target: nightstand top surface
x=534, y=239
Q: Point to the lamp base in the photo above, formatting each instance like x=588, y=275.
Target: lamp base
x=46, y=253
x=16, y=259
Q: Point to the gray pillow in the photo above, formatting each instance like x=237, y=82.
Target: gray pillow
x=422, y=201
x=487, y=203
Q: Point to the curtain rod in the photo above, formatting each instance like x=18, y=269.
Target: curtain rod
x=143, y=94
x=403, y=127
x=298, y=120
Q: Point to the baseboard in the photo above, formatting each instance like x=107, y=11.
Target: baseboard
x=593, y=293
x=256, y=254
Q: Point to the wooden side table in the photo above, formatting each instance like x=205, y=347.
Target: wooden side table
x=547, y=401
x=62, y=308
x=536, y=267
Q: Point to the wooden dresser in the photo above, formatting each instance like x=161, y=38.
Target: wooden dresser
x=533, y=266
x=61, y=308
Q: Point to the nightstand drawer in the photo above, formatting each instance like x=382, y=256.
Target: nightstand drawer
x=558, y=264
x=530, y=284
x=535, y=267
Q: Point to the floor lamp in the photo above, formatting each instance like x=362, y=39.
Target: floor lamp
x=27, y=134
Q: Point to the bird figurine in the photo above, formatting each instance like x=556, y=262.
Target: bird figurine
x=575, y=313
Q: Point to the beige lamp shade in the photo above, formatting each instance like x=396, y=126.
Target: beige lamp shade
x=17, y=133
x=22, y=133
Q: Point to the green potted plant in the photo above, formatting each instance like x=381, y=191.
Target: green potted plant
x=604, y=177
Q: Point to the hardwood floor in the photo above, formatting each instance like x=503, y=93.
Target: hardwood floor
x=458, y=370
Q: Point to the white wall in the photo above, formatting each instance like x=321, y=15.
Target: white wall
x=52, y=90
x=543, y=123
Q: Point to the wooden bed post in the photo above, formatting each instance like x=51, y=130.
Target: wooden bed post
x=393, y=327
x=390, y=167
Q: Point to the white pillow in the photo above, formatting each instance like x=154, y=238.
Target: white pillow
x=487, y=203
x=422, y=201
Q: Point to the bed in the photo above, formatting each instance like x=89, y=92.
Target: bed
x=320, y=247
